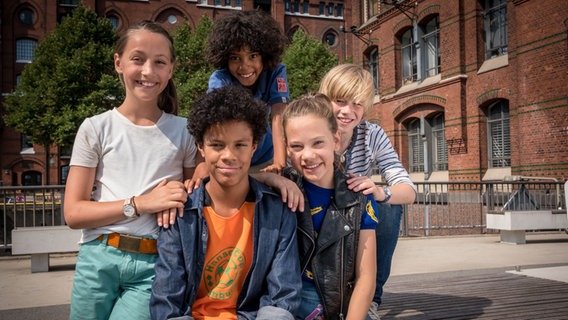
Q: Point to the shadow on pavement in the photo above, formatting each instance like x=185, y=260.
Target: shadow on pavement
x=422, y=306
x=58, y=312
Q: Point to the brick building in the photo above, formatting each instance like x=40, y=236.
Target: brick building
x=468, y=90
x=24, y=23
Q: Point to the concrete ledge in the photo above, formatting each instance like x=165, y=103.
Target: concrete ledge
x=513, y=224
x=39, y=242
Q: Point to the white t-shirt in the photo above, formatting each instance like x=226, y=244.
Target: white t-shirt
x=131, y=160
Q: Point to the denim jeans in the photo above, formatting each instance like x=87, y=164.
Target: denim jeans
x=387, y=238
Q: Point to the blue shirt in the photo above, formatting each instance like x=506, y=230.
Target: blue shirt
x=272, y=88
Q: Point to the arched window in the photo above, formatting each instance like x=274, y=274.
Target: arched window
x=433, y=135
x=420, y=48
x=498, y=135
x=26, y=16
x=330, y=38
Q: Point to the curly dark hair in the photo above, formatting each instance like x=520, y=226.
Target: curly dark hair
x=253, y=28
x=229, y=103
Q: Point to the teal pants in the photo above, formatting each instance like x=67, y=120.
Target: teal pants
x=111, y=284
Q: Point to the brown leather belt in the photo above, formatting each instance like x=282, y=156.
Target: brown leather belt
x=130, y=243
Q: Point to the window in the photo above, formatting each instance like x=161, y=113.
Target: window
x=113, y=21
x=431, y=48
x=415, y=149
x=287, y=5
x=499, y=140
x=228, y=3
x=27, y=145
x=409, y=67
x=374, y=67
x=70, y=3
x=330, y=38
x=330, y=9
x=297, y=6
x=31, y=178
x=26, y=17
x=420, y=48
x=433, y=136
x=495, y=16
x=306, y=7
x=439, y=145
x=339, y=9
x=373, y=8
x=238, y=3
x=172, y=19
x=322, y=8
x=25, y=50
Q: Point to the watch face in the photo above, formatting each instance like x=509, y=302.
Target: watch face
x=128, y=210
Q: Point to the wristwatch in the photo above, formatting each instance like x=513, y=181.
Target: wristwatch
x=129, y=208
x=388, y=194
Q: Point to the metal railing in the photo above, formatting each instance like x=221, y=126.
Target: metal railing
x=443, y=208
x=440, y=208
x=29, y=206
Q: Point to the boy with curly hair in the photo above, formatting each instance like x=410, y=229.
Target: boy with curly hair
x=233, y=253
x=246, y=47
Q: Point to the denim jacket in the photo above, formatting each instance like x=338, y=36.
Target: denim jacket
x=272, y=286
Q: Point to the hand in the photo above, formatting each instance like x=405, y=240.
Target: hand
x=164, y=199
x=273, y=168
x=201, y=171
x=291, y=194
x=365, y=185
x=167, y=217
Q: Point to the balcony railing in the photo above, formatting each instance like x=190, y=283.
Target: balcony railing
x=440, y=208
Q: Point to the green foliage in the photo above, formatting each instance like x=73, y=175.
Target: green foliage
x=307, y=60
x=68, y=80
x=191, y=74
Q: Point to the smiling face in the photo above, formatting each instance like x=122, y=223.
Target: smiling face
x=227, y=149
x=246, y=66
x=348, y=114
x=145, y=66
x=311, y=146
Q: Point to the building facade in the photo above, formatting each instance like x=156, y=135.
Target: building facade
x=467, y=90
x=470, y=90
x=24, y=23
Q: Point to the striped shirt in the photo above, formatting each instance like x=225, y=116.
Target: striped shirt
x=370, y=147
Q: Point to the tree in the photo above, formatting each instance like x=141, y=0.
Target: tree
x=307, y=60
x=191, y=74
x=70, y=78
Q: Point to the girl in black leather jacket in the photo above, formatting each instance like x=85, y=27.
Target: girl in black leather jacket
x=336, y=236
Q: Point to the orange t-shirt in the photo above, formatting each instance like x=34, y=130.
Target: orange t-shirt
x=227, y=262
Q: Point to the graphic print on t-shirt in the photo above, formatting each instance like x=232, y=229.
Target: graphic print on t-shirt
x=220, y=272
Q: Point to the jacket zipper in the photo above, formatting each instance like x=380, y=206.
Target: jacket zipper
x=342, y=281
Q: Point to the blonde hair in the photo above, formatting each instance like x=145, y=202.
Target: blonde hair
x=349, y=82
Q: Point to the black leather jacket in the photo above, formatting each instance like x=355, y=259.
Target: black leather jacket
x=333, y=255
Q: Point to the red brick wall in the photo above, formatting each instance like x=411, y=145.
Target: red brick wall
x=534, y=82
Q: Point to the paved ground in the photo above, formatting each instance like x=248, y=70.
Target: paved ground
x=45, y=296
